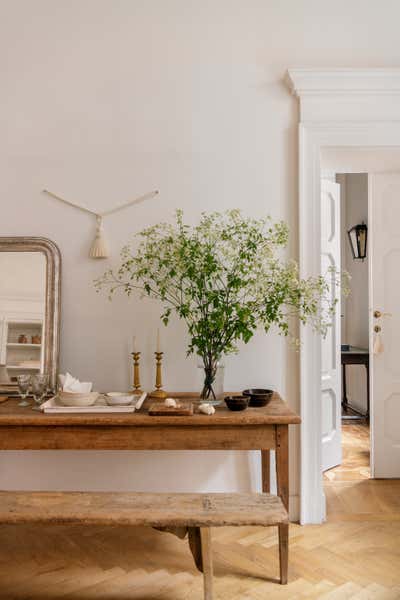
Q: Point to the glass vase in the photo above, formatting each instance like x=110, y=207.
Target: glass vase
x=212, y=374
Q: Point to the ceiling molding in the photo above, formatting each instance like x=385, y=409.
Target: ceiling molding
x=305, y=82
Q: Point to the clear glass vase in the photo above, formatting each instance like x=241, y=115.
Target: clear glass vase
x=212, y=376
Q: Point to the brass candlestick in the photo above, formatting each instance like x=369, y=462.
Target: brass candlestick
x=136, y=374
x=158, y=392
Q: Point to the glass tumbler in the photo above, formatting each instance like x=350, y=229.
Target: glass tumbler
x=24, y=383
x=39, y=383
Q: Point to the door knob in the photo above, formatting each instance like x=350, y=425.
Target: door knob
x=378, y=314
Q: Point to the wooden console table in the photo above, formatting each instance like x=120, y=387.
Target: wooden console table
x=253, y=429
x=354, y=356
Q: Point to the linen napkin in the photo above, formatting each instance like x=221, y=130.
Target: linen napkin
x=72, y=384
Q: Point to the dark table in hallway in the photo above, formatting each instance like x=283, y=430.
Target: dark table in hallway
x=354, y=356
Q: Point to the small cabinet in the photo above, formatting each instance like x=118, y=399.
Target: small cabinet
x=21, y=347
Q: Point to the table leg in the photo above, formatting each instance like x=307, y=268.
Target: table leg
x=344, y=391
x=266, y=471
x=282, y=476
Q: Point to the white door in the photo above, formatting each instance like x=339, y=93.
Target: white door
x=384, y=247
x=330, y=346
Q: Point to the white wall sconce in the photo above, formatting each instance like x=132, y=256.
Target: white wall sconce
x=100, y=247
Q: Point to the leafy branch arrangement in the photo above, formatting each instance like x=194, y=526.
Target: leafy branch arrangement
x=225, y=278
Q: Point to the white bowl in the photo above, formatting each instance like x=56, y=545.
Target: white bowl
x=120, y=398
x=77, y=399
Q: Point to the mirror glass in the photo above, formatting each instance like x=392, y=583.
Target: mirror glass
x=22, y=314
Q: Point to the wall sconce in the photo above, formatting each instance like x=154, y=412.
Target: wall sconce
x=358, y=241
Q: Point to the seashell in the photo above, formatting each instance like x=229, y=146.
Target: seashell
x=207, y=409
x=170, y=402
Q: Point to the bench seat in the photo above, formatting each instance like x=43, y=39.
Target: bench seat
x=156, y=510
x=192, y=513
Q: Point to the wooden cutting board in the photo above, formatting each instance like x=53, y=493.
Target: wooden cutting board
x=158, y=409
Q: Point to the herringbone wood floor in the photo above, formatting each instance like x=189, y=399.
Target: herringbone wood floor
x=356, y=554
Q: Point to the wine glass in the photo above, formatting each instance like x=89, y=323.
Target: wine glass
x=39, y=383
x=24, y=382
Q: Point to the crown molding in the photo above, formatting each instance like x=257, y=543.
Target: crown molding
x=316, y=82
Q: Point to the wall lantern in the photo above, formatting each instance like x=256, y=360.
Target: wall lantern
x=358, y=241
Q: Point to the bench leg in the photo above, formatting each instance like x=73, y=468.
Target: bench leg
x=195, y=546
x=206, y=554
x=283, y=551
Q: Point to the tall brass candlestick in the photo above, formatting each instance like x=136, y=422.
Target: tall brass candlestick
x=136, y=373
x=158, y=392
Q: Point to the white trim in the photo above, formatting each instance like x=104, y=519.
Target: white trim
x=338, y=128
x=39, y=297
x=344, y=81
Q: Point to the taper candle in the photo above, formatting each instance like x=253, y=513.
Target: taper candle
x=134, y=344
x=158, y=349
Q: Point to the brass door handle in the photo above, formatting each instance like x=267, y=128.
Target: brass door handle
x=377, y=329
x=378, y=314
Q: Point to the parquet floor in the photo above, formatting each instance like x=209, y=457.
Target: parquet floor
x=355, y=555
x=355, y=450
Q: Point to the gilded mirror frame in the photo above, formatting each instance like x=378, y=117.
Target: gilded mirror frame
x=52, y=298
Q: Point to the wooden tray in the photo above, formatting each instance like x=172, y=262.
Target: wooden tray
x=158, y=409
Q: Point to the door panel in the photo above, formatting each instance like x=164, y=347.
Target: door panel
x=384, y=209
x=330, y=345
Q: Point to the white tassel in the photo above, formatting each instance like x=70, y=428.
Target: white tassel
x=99, y=248
x=378, y=344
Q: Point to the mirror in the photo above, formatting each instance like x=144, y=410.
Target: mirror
x=29, y=309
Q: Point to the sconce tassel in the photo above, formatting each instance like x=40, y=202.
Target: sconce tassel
x=99, y=248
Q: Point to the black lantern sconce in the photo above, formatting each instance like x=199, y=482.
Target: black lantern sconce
x=358, y=241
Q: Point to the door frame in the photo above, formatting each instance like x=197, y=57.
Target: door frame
x=348, y=108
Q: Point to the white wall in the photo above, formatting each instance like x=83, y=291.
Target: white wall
x=23, y=275
x=360, y=160
x=22, y=284
x=103, y=100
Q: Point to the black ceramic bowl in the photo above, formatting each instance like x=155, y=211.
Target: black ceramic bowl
x=258, y=396
x=237, y=402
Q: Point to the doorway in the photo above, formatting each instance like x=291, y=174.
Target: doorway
x=354, y=110
x=363, y=187
x=345, y=385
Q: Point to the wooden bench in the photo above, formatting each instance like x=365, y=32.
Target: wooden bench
x=186, y=513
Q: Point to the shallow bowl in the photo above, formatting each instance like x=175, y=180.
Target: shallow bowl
x=120, y=398
x=77, y=399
